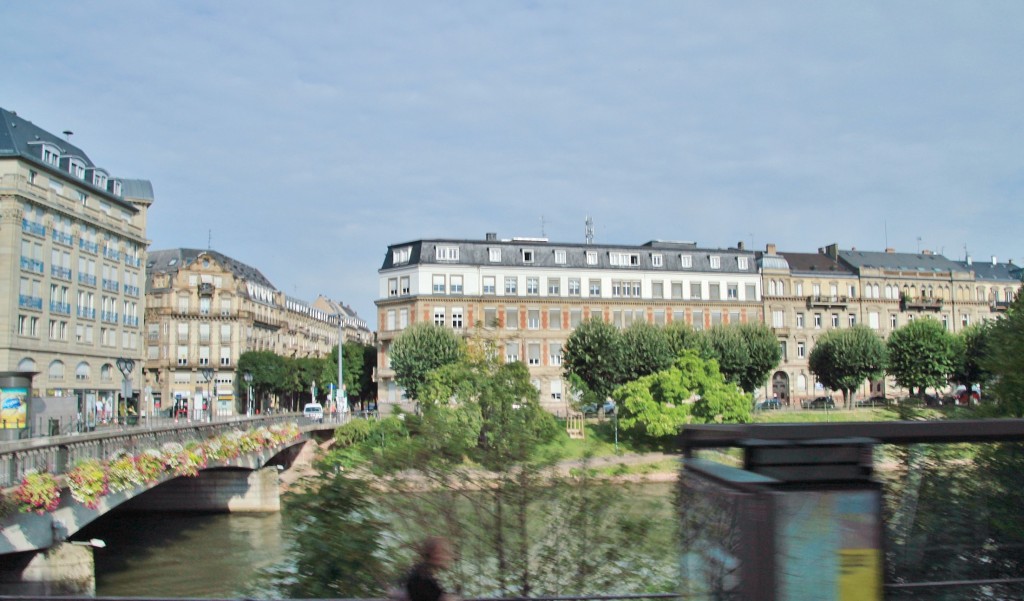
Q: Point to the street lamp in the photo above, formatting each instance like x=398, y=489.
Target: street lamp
x=247, y=376
x=126, y=366
x=208, y=374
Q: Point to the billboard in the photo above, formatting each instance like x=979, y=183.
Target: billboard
x=14, y=411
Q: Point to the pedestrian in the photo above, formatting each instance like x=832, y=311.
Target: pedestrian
x=422, y=584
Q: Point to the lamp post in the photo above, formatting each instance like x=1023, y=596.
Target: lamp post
x=247, y=376
x=208, y=374
x=125, y=366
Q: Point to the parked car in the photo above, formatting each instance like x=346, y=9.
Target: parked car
x=768, y=404
x=314, y=412
x=875, y=401
x=592, y=408
x=822, y=402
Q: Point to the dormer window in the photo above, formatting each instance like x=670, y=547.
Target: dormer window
x=622, y=259
x=76, y=168
x=401, y=255
x=716, y=261
x=447, y=253
x=560, y=257
x=591, y=257
x=99, y=179
x=50, y=154
x=686, y=261
x=527, y=256
x=114, y=187
x=656, y=260
x=494, y=255
x=741, y=263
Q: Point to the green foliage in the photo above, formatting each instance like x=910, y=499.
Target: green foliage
x=268, y=373
x=921, y=354
x=692, y=390
x=594, y=355
x=729, y=347
x=420, y=349
x=843, y=359
x=763, y=355
x=971, y=349
x=647, y=349
x=1005, y=360
x=681, y=336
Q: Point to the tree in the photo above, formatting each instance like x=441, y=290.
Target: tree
x=728, y=346
x=593, y=353
x=764, y=353
x=1005, y=360
x=843, y=359
x=681, y=336
x=646, y=349
x=971, y=346
x=357, y=366
x=692, y=390
x=921, y=354
x=268, y=374
x=420, y=349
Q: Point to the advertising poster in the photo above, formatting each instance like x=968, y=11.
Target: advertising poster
x=14, y=414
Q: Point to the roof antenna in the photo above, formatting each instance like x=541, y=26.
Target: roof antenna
x=542, y=222
x=589, y=232
x=67, y=134
x=209, y=239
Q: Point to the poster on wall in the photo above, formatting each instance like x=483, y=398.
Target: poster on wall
x=14, y=414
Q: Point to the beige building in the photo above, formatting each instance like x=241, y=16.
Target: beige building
x=527, y=295
x=204, y=309
x=72, y=256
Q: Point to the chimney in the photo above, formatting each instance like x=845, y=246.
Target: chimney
x=994, y=261
x=491, y=237
x=969, y=260
x=770, y=248
x=926, y=252
x=890, y=251
x=739, y=245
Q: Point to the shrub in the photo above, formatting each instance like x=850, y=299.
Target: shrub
x=88, y=482
x=38, y=492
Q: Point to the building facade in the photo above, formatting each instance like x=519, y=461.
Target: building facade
x=204, y=309
x=528, y=294
x=72, y=260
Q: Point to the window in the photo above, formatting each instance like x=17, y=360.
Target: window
x=438, y=284
x=623, y=259
x=511, y=352
x=657, y=260
x=782, y=349
x=457, y=320
x=559, y=257
x=404, y=284
x=393, y=287
x=490, y=317
x=799, y=288
x=695, y=290
x=801, y=350
x=965, y=320
x=685, y=261
x=591, y=257
x=741, y=263
x=816, y=289
x=595, y=287
x=533, y=285
x=873, y=320
x=851, y=319
x=403, y=318
x=456, y=284
x=575, y=317
x=511, y=285
x=225, y=333
x=853, y=291
x=225, y=355
x=438, y=316
x=494, y=255
x=401, y=255
x=533, y=353
x=555, y=355
x=446, y=253
x=50, y=154
x=714, y=291
x=800, y=321
x=659, y=317
x=204, y=355
x=389, y=322
x=533, y=319
x=835, y=320
x=554, y=286
x=778, y=318
x=56, y=370
x=489, y=286
x=677, y=290
x=82, y=371
x=716, y=318
x=527, y=255
x=817, y=321
x=892, y=321
x=657, y=290
x=715, y=261
x=554, y=319
x=751, y=292
x=574, y=286
x=732, y=291
x=698, y=319
x=511, y=319
x=204, y=305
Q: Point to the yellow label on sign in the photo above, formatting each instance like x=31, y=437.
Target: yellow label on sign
x=860, y=575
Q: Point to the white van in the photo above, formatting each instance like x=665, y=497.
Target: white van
x=314, y=412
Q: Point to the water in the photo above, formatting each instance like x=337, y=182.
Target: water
x=203, y=555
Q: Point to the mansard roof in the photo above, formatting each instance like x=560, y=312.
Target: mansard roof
x=816, y=263
x=894, y=261
x=539, y=253
x=173, y=260
x=22, y=139
x=994, y=271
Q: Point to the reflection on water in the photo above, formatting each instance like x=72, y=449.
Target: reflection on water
x=185, y=555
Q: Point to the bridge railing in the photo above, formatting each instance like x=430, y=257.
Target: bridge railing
x=57, y=454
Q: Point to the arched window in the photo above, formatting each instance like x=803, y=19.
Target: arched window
x=82, y=371
x=106, y=371
x=771, y=287
x=801, y=382
x=56, y=370
x=27, y=364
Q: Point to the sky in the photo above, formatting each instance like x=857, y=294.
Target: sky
x=303, y=138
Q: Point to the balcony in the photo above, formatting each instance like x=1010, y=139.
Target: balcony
x=132, y=261
x=87, y=313
x=63, y=238
x=87, y=279
x=109, y=316
x=34, y=228
x=827, y=302
x=783, y=332
x=30, y=302
x=33, y=265
x=61, y=273
x=131, y=321
x=89, y=247
x=205, y=289
x=908, y=303
x=110, y=285
x=62, y=308
x=131, y=290
x=1000, y=306
x=111, y=253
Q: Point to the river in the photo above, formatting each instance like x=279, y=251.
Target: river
x=199, y=555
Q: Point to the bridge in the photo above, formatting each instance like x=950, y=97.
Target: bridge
x=228, y=465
